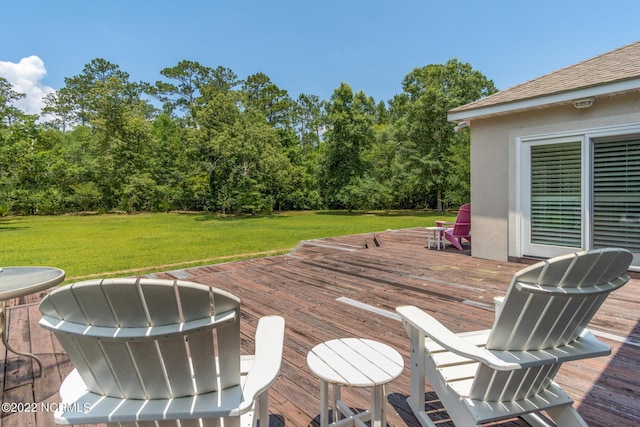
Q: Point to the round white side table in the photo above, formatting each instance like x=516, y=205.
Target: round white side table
x=354, y=362
x=435, y=236
x=19, y=281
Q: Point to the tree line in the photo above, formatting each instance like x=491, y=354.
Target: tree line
x=203, y=139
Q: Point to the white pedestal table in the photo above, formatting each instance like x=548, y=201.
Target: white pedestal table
x=354, y=362
x=20, y=281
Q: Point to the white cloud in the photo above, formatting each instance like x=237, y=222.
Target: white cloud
x=25, y=77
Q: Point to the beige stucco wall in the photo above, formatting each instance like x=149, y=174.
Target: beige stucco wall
x=494, y=170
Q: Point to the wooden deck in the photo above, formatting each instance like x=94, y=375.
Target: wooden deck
x=349, y=286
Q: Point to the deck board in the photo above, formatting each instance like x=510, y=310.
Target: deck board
x=309, y=288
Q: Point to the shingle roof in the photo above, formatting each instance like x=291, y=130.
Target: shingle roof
x=611, y=67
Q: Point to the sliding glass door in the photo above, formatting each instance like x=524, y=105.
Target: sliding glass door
x=616, y=194
x=580, y=192
x=553, y=211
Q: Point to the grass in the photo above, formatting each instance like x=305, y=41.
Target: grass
x=125, y=245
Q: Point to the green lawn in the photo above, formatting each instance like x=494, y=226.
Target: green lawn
x=121, y=245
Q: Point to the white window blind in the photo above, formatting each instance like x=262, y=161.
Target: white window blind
x=556, y=199
x=616, y=194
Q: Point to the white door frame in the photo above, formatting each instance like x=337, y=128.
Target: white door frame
x=523, y=177
x=538, y=250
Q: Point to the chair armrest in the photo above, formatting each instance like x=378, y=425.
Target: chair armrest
x=268, y=358
x=437, y=332
x=444, y=223
x=501, y=360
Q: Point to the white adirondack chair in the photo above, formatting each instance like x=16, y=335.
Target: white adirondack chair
x=508, y=371
x=147, y=350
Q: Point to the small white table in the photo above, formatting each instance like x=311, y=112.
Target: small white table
x=354, y=362
x=435, y=235
x=20, y=281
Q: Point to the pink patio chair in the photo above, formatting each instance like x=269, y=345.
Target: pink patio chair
x=461, y=228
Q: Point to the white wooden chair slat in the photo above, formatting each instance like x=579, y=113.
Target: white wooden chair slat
x=540, y=324
x=123, y=369
x=100, y=370
x=150, y=367
x=75, y=352
x=150, y=424
x=137, y=333
x=208, y=422
x=129, y=309
x=446, y=359
x=459, y=372
x=553, y=396
x=63, y=307
x=229, y=359
x=91, y=299
x=224, y=301
x=150, y=351
x=161, y=304
x=189, y=423
x=111, y=409
x=587, y=346
x=177, y=365
x=195, y=304
x=595, y=275
x=205, y=374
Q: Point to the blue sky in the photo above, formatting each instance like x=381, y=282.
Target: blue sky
x=307, y=46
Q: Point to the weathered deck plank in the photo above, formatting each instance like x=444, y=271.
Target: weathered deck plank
x=315, y=289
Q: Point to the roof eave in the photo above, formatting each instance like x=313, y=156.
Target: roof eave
x=544, y=101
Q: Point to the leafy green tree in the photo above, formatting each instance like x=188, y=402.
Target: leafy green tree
x=382, y=185
x=253, y=168
x=348, y=138
x=27, y=180
x=266, y=98
x=170, y=161
x=219, y=80
x=75, y=161
x=301, y=144
x=230, y=145
x=459, y=183
x=189, y=77
x=190, y=86
x=87, y=93
x=308, y=120
x=8, y=112
x=140, y=193
x=108, y=103
x=431, y=92
x=381, y=114
x=242, y=154
x=86, y=195
x=59, y=109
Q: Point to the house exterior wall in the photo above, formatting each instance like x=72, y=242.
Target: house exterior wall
x=495, y=205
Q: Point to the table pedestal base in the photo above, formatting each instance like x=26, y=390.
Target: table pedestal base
x=342, y=415
x=3, y=337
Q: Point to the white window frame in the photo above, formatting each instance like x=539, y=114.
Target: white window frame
x=526, y=247
x=523, y=176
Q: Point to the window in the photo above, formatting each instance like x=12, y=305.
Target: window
x=556, y=198
x=580, y=191
x=616, y=193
